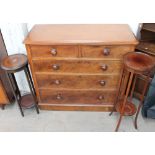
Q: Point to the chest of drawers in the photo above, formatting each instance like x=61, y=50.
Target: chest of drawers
x=77, y=67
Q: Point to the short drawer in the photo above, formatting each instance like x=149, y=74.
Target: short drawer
x=76, y=97
x=105, y=51
x=53, y=51
x=77, y=81
x=77, y=66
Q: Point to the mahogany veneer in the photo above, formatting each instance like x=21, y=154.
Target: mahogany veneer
x=76, y=67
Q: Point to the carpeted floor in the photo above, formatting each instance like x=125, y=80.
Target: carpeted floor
x=67, y=121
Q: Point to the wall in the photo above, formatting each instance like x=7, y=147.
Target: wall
x=14, y=35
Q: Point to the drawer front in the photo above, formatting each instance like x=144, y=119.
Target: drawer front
x=77, y=66
x=77, y=81
x=76, y=97
x=54, y=51
x=147, y=47
x=105, y=51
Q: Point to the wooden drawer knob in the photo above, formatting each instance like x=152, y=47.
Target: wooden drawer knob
x=106, y=51
x=56, y=66
x=102, y=83
x=101, y=97
x=53, y=51
x=104, y=67
x=59, y=97
x=57, y=82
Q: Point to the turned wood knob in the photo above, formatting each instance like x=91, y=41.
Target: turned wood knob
x=106, y=51
x=59, y=97
x=101, y=97
x=102, y=83
x=104, y=67
x=53, y=51
x=57, y=82
x=56, y=66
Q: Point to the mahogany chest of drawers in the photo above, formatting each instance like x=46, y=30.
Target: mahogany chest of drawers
x=77, y=67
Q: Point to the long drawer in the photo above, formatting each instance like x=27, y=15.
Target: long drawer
x=77, y=66
x=76, y=97
x=77, y=81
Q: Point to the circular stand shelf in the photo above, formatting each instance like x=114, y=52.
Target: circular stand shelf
x=27, y=101
x=129, y=110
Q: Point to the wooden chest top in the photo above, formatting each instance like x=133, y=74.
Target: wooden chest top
x=94, y=34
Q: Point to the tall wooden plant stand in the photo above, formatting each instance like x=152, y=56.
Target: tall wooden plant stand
x=134, y=65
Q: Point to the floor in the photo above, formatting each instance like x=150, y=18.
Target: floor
x=67, y=121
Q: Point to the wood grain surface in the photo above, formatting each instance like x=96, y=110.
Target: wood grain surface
x=77, y=81
x=105, y=34
x=54, y=96
x=77, y=66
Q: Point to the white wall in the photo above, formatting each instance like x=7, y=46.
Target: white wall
x=134, y=27
x=14, y=35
